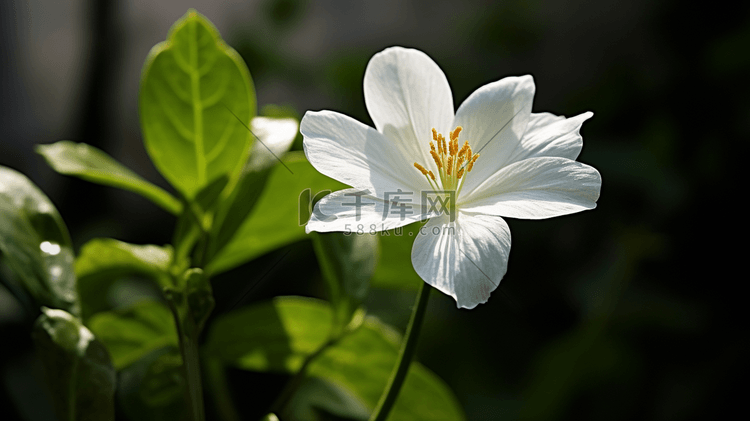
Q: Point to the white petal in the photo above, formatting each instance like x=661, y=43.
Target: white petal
x=339, y=212
x=355, y=154
x=407, y=95
x=537, y=188
x=494, y=119
x=465, y=259
x=551, y=135
x=275, y=136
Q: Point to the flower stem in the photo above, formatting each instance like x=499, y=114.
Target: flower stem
x=405, y=356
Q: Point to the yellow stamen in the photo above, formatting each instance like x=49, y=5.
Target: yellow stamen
x=436, y=157
x=464, y=149
x=452, y=163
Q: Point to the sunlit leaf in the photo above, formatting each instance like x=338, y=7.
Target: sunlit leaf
x=278, y=218
x=35, y=242
x=77, y=366
x=274, y=137
x=277, y=336
x=192, y=87
x=132, y=333
x=91, y=164
x=104, y=260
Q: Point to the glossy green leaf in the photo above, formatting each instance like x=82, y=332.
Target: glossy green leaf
x=394, y=270
x=278, y=218
x=132, y=333
x=278, y=335
x=192, y=87
x=35, y=242
x=347, y=263
x=91, y=164
x=77, y=366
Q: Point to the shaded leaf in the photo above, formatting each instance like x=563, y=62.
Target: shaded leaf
x=191, y=86
x=318, y=399
x=91, y=164
x=132, y=333
x=77, y=366
x=278, y=335
x=152, y=388
x=395, y=270
x=35, y=242
x=347, y=263
x=278, y=218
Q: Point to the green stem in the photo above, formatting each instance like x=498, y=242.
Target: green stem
x=404, y=358
x=187, y=332
x=191, y=362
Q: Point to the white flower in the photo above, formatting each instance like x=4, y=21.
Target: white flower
x=526, y=168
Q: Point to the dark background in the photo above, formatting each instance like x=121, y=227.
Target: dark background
x=630, y=311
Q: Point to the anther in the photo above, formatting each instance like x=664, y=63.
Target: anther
x=436, y=157
x=471, y=163
x=420, y=168
x=455, y=132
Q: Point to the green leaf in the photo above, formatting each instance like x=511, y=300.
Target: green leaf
x=152, y=388
x=234, y=210
x=77, y=366
x=35, y=242
x=104, y=260
x=278, y=218
x=394, y=270
x=192, y=87
x=131, y=334
x=91, y=164
x=347, y=263
x=277, y=336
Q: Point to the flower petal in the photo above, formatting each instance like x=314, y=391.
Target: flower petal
x=494, y=119
x=537, y=188
x=339, y=211
x=551, y=135
x=275, y=136
x=407, y=95
x=465, y=259
x=355, y=154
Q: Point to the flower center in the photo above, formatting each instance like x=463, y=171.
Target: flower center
x=453, y=163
